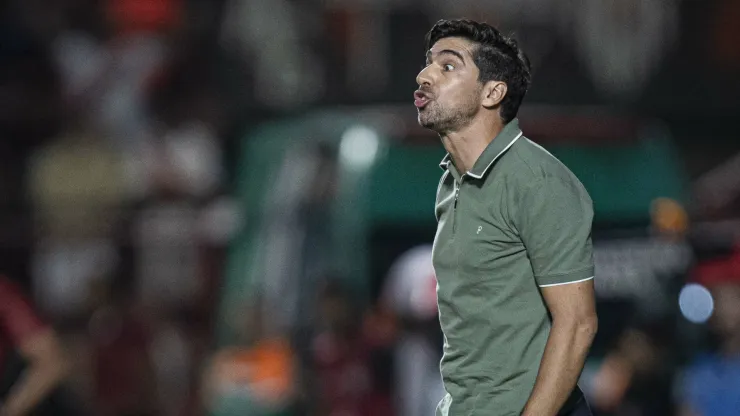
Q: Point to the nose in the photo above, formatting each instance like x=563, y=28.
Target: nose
x=424, y=77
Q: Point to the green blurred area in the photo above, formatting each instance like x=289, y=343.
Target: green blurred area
x=397, y=188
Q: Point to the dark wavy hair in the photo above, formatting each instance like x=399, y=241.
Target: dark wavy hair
x=498, y=58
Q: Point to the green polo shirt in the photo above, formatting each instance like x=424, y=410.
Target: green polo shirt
x=517, y=221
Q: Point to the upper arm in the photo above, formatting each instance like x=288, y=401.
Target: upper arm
x=554, y=217
x=572, y=301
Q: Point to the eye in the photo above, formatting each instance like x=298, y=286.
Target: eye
x=448, y=67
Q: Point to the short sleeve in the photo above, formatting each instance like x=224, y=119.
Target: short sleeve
x=554, y=218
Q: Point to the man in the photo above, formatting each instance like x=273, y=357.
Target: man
x=32, y=359
x=512, y=254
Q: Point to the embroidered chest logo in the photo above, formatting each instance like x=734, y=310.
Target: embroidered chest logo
x=480, y=228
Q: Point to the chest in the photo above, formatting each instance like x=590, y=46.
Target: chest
x=475, y=231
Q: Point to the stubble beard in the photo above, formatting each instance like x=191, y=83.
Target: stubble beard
x=443, y=121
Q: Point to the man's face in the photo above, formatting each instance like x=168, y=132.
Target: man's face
x=449, y=94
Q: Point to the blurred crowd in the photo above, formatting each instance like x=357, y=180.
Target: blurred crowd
x=119, y=125
x=115, y=211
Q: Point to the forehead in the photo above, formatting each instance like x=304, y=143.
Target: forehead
x=457, y=44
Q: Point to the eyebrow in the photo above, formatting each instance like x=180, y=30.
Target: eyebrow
x=457, y=54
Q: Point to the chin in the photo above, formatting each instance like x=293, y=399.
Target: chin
x=425, y=121
x=432, y=125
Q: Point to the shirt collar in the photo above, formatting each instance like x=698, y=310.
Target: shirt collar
x=498, y=146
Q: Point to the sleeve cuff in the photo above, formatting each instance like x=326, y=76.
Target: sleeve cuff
x=581, y=275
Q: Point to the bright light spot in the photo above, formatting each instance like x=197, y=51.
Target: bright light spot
x=359, y=147
x=696, y=303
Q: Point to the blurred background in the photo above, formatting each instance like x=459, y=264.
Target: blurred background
x=224, y=207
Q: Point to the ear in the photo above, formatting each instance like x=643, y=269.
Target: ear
x=493, y=93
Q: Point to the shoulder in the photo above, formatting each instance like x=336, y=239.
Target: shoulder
x=531, y=166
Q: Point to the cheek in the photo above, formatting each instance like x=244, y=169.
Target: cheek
x=466, y=92
x=453, y=95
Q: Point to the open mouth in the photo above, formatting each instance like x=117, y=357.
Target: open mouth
x=421, y=99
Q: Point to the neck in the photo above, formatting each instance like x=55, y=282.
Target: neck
x=467, y=144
